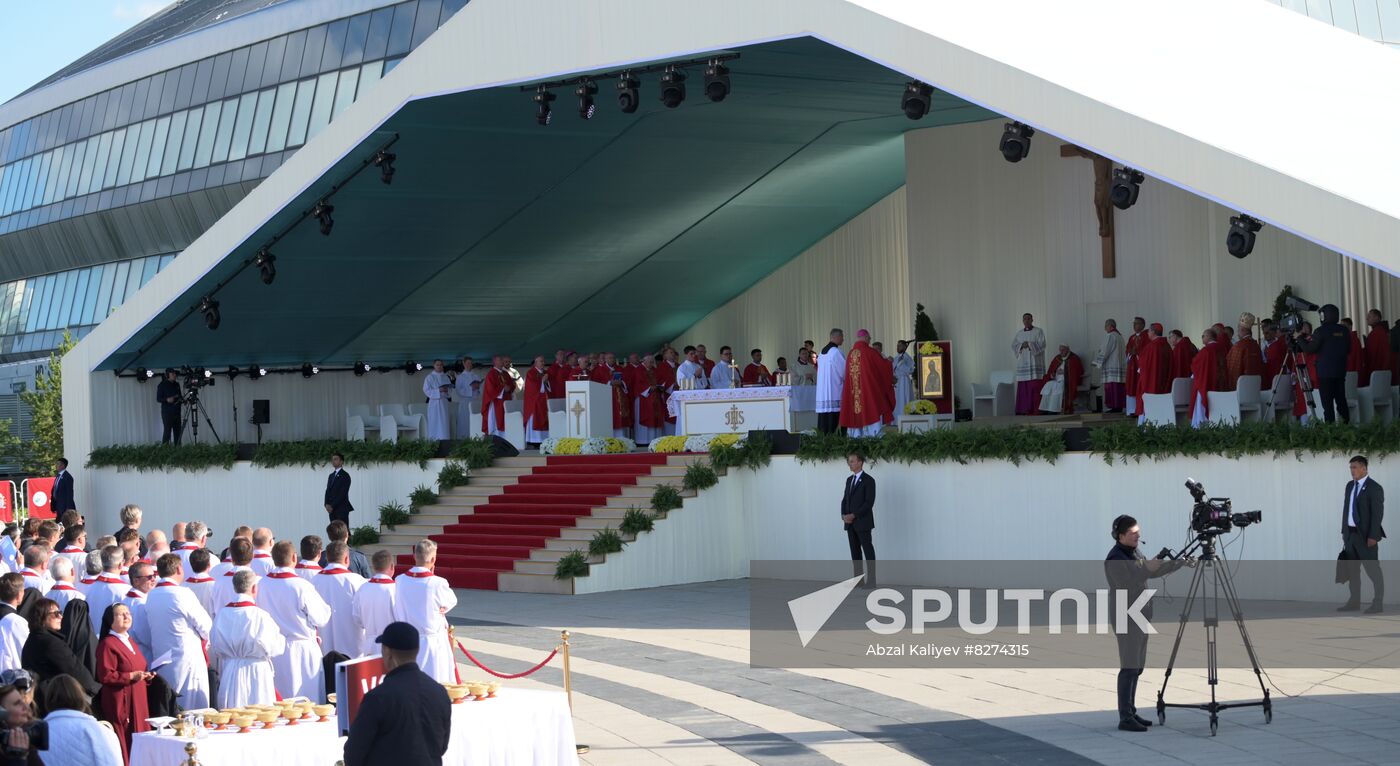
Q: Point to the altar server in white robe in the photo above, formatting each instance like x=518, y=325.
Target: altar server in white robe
x=91, y=572
x=262, y=551
x=374, y=602
x=243, y=642
x=14, y=630
x=437, y=386
x=337, y=585
x=725, y=374
x=299, y=611
x=143, y=579
x=36, y=568
x=198, y=581
x=108, y=589
x=903, y=377
x=468, y=388
x=831, y=381
x=423, y=601
x=196, y=536
x=74, y=546
x=63, y=589
x=692, y=370
x=308, y=566
x=240, y=555
x=179, y=626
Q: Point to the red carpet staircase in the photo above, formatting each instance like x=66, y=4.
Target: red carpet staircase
x=508, y=527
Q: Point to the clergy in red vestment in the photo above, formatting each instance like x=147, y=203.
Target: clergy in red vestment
x=1243, y=358
x=704, y=360
x=1377, y=356
x=1300, y=397
x=609, y=374
x=1136, y=341
x=1225, y=336
x=496, y=390
x=1056, y=395
x=1154, y=366
x=756, y=373
x=580, y=369
x=121, y=669
x=1206, y=376
x=867, y=400
x=536, y=404
x=558, y=373
x=1275, y=353
x=666, y=378
x=652, y=392
x=1183, y=351
x=1356, y=359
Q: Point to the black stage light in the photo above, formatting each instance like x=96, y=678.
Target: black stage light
x=361, y=368
x=918, y=98
x=384, y=160
x=203, y=374
x=267, y=265
x=143, y=374
x=543, y=114
x=585, y=91
x=1126, y=185
x=1016, y=141
x=232, y=372
x=672, y=87
x=716, y=81
x=322, y=212
x=210, y=309
x=628, y=93
x=1240, y=240
x=308, y=369
x=412, y=367
x=256, y=371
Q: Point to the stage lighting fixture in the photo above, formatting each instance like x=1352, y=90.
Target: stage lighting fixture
x=267, y=265
x=628, y=93
x=308, y=369
x=412, y=367
x=143, y=374
x=232, y=372
x=201, y=372
x=918, y=98
x=361, y=368
x=322, y=212
x=672, y=87
x=1126, y=185
x=384, y=160
x=1240, y=240
x=585, y=91
x=256, y=371
x=1016, y=141
x=210, y=309
x=716, y=81
x=543, y=114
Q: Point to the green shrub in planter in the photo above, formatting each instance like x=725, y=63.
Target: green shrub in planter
x=365, y=535
x=392, y=514
x=699, y=475
x=636, y=521
x=452, y=475
x=421, y=496
x=573, y=564
x=665, y=498
x=475, y=453
x=605, y=540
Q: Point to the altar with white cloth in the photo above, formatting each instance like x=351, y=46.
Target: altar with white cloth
x=739, y=410
x=518, y=727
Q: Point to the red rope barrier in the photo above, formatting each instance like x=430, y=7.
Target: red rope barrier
x=535, y=669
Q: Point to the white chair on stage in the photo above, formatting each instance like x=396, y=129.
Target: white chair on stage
x=1181, y=398
x=1375, y=399
x=985, y=399
x=396, y=423
x=360, y=422
x=1004, y=400
x=558, y=423
x=1247, y=397
x=515, y=423
x=1353, y=397
x=1224, y=406
x=1279, y=397
x=418, y=408
x=1159, y=409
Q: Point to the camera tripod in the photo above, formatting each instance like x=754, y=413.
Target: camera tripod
x=1305, y=382
x=1211, y=566
x=196, y=409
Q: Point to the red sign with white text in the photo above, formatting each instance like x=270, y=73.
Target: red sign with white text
x=353, y=680
x=7, y=501
x=39, y=492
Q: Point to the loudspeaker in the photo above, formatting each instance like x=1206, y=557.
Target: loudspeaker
x=784, y=442
x=262, y=413
x=1077, y=440
x=502, y=448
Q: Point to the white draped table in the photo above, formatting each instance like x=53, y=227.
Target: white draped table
x=739, y=410
x=519, y=727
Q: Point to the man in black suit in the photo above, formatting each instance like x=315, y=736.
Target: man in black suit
x=858, y=515
x=1363, y=507
x=338, y=505
x=169, y=395
x=62, y=494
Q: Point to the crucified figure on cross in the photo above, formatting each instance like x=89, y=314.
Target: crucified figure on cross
x=1103, y=207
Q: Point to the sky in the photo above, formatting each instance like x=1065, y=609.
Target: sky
x=30, y=50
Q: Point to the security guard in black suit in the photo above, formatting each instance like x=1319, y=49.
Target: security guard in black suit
x=168, y=394
x=1363, y=507
x=337, y=500
x=407, y=718
x=858, y=516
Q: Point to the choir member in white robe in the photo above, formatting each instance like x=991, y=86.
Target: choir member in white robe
x=108, y=589
x=36, y=568
x=337, y=585
x=74, y=547
x=299, y=612
x=14, y=630
x=262, y=551
x=199, y=581
x=179, y=626
x=691, y=370
x=91, y=572
x=437, y=386
x=196, y=535
x=725, y=374
x=903, y=377
x=1028, y=347
x=423, y=601
x=143, y=579
x=468, y=388
x=374, y=602
x=244, y=641
x=831, y=382
x=804, y=373
x=63, y=589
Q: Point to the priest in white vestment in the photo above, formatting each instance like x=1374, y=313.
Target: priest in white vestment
x=74, y=547
x=337, y=585
x=240, y=555
x=14, y=630
x=804, y=373
x=179, y=626
x=437, y=386
x=423, y=601
x=243, y=642
x=36, y=568
x=108, y=589
x=691, y=370
x=262, y=552
x=903, y=377
x=299, y=612
x=198, y=580
x=143, y=580
x=373, y=606
x=63, y=589
x=725, y=374
x=1028, y=347
x=1112, y=369
x=831, y=381
x=468, y=388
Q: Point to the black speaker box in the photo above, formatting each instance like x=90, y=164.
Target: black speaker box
x=502, y=448
x=262, y=412
x=784, y=442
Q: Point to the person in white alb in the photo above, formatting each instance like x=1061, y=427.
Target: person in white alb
x=468, y=388
x=423, y=601
x=831, y=382
x=63, y=590
x=692, y=370
x=143, y=580
x=179, y=626
x=240, y=553
x=91, y=572
x=299, y=612
x=1109, y=360
x=903, y=377
x=308, y=565
x=243, y=642
x=36, y=568
x=262, y=551
x=108, y=589
x=226, y=563
x=337, y=585
x=196, y=535
x=374, y=602
x=198, y=581
x=725, y=375
x=14, y=630
x=437, y=387
x=1028, y=347
x=74, y=546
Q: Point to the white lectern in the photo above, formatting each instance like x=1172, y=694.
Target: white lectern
x=588, y=409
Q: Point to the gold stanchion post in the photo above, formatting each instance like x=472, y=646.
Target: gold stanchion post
x=190, y=751
x=569, y=689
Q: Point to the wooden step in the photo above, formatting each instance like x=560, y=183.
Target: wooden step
x=551, y=556
x=516, y=582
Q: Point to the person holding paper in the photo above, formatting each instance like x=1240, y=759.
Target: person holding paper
x=121, y=669
x=244, y=640
x=437, y=386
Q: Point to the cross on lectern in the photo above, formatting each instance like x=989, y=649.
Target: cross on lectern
x=578, y=409
x=1103, y=208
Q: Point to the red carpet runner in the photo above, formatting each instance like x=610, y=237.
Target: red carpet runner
x=523, y=516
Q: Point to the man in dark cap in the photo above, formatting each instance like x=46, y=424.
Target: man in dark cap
x=407, y=718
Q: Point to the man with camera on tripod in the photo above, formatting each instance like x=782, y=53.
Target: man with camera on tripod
x=171, y=399
x=1128, y=571
x=1332, y=343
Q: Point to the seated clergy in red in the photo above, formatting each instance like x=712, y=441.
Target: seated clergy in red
x=1275, y=352
x=1183, y=351
x=1206, y=375
x=756, y=374
x=1062, y=378
x=609, y=373
x=1154, y=366
x=1377, y=357
x=496, y=390
x=1243, y=358
x=867, y=401
x=536, y=403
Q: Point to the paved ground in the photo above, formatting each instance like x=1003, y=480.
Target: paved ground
x=661, y=676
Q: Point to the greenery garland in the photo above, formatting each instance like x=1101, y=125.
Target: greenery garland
x=164, y=457
x=1124, y=442
x=939, y=445
x=312, y=453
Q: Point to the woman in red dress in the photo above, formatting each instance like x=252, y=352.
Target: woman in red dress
x=121, y=669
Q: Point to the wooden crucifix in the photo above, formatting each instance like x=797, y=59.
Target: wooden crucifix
x=1103, y=208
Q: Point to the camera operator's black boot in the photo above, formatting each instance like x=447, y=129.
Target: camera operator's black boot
x=1130, y=724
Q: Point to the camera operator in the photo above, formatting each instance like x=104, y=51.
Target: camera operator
x=170, y=397
x=1128, y=571
x=1331, y=342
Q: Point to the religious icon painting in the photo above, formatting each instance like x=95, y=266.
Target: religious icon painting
x=931, y=376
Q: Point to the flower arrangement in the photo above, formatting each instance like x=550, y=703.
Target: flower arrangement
x=668, y=444
x=593, y=446
x=920, y=407
x=929, y=348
